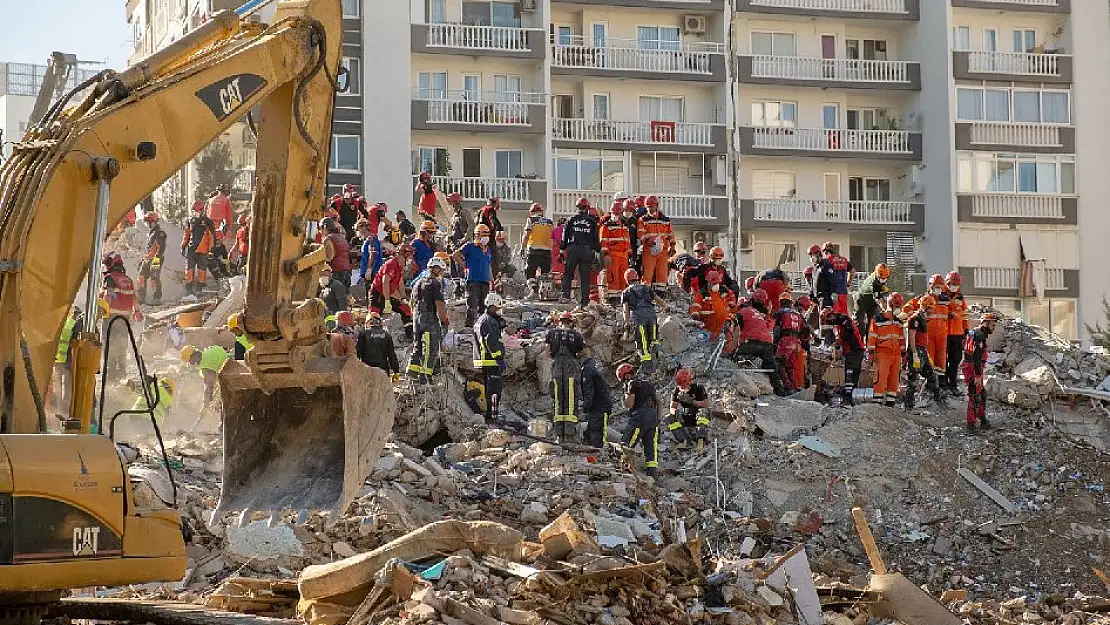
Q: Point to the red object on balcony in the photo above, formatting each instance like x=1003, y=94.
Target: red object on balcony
x=662, y=132
x=834, y=139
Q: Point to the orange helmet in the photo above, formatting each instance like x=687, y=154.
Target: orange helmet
x=786, y=298
x=882, y=270
x=683, y=377
x=716, y=253
x=926, y=302
x=428, y=226
x=624, y=371
x=481, y=230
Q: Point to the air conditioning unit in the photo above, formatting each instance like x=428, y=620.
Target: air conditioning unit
x=693, y=24
x=720, y=171
x=527, y=6
x=917, y=180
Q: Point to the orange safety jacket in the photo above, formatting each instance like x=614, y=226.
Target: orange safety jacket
x=650, y=228
x=957, y=311
x=885, y=335
x=614, y=238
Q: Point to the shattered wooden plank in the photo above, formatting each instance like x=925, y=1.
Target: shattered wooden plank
x=868, y=541
x=988, y=490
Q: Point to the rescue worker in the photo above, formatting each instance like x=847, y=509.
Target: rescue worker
x=582, y=246
x=819, y=276
x=196, y=243
x=117, y=295
x=716, y=307
x=917, y=351
x=343, y=339
x=688, y=421
x=535, y=246
x=852, y=349
x=430, y=321
x=487, y=216
x=242, y=341
x=161, y=395
x=775, y=282
x=563, y=345
x=337, y=251
x=428, y=194
x=975, y=362
x=755, y=336
x=63, y=361
x=938, y=325
x=424, y=245
x=489, y=353
x=690, y=271
x=716, y=265
x=462, y=223
x=643, y=420
x=374, y=346
x=639, y=305
x=558, y=256
x=631, y=223
x=871, y=290
x=885, y=345
x=597, y=401
x=150, y=267
x=957, y=331
x=209, y=362
x=477, y=258
x=840, y=273
x=379, y=220
x=656, y=242
x=332, y=291
x=351, y=207
x=371, y=256
x=387, y=292
x=789, y=333
x=219, y=211
x=615, y=250
x=406, y=227
x=242, y=243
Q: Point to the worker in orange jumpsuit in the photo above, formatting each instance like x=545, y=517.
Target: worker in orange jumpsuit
x=885, y=343
x=219, y=210
x=615, y=248
x=718, y=304
x=242, y=242
x=957, y=330
x=196, y=245
x=656, y=242
x=939, y=319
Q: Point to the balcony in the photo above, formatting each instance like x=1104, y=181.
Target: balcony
x=700, y=6
x=702, y=210
x=1015, y=136
x=1041, y=6
x=830, y=143
x=518, y=193
x=242, y=186
x=625, y=135
x=826, y=215
x=479, y=111
x=1012, y=66
x=626, y=58
x=763, y=69
x=1008, y=208
x=500, y=41
x=1006, y=281
x=839, y=9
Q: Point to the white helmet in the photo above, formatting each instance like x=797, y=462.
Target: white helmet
x=437, y=262
x=620, y=196
x=493, y=299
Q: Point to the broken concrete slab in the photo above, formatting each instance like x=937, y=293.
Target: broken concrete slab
x=259, y=542
x=785, y=419
x=814, y=443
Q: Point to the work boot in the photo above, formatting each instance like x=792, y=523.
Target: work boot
x=652, y=472
x=983, y=423
x=971, y=426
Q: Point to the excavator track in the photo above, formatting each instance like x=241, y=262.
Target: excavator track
x=156, y=612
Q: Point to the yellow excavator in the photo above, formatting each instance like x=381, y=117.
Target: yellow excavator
x=301, y=429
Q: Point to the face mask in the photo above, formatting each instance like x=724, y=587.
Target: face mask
x=954, y=288
x=346, y=196
x=324, y=281
x=627, y=215
x=714, y=287
x=718, y=261
x=882, y=280
x=483, y=240
x=935, y=290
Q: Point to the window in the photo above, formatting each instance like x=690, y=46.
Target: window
x=507, y=88
x=601, y=106
x=1025, y=39
x=346, y=153
x=436, y=11
x=830, y=116
x=435, y=160
x=866, y=49
x=868, y=119
x=472, y=87
x=862, y=256
x=981, y=172
x=661, y=108
x=779, y=114
x=354, y=75
x=432, y=85
x=600, y=32
x=778, y=44
x=589, y=170
x=350, y=8
x=472, y=162
x=774, y=185
x=563, y=105
x=771, y=254
x=564, y=35
x=1016, y=105
x=961, y=37
x=507, y=163
x=491, y=14
x=990, y=39
x=868, y=189
x=658, y=38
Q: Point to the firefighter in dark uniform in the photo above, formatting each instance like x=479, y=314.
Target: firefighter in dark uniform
x=374, y=346
x=150, y=267
x=564, y=343
x=643, y=423
x=196, y=244
x=582, y=244
x=489, y=353
x=689, y=422
x=597, y=401
x=429, y=321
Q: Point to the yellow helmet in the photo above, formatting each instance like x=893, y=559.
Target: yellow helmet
x=187, y=352
x=168, y=384
x=235, y=322
x=103, y=304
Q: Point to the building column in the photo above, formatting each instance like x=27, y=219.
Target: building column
x=387, y=103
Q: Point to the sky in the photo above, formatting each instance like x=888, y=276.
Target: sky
x=94, y=30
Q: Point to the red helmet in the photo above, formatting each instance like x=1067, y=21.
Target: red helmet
x=454, y=198
x=345, y=318
x=953, y=278
x=683, y=377
x=786, y=298
x=804, y=302
x=629, y=205
x=701, y=246
x=714, y=277
x=829, y=247
x=425, y=176
x=348, y=188
x=616, y=207
x=813, y=250
x=749, y=284
x=826, y=315
x=566, y=316
x=759, y=295
x=896, y=300
x=112, y=259
x=936, y=280
x=535, y=208
x=624, y=371
x=630, y=275
x=641, y=201
x=150, y=217
x=243, y=220
x=742, y=302
x=198, y=207
x=717, y=253
x=582, y=203
x=405, y=248
x=651, y=201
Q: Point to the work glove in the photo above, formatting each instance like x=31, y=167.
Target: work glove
x=395, y=377
x=388, y=308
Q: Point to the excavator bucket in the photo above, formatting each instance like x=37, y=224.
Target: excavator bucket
x=303, y=441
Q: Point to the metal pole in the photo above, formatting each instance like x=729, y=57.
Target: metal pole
x=104, y=169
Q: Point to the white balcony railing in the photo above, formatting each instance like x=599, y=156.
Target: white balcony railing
x=1008, y=278
x=628, y=54
x=243, y=181
x=833, y=140
x=853, y=6
x=1011, y=206
x=466, y=36
x=487, y=108
x=1009, y=133
x=1023, y=63
x=826, y=211
x=603, y=130
x=508, y=189
x=673, y=206
x=840, y=70
x=1039, y=3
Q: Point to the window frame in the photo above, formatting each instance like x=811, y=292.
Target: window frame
x=974, y=162
x=354, y=85
x=604, y=159
x=780, y=103
x=1011, y=91
x=660, y=98
x=771, y=34
x=332, y=154
x=358, y=9
x=658, y=41
x=508, y=151
x=774, y=174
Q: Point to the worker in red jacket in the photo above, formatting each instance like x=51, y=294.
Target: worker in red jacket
x=219, y=210
x=756, y=338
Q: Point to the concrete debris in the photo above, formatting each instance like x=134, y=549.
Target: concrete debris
x=988, y=490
